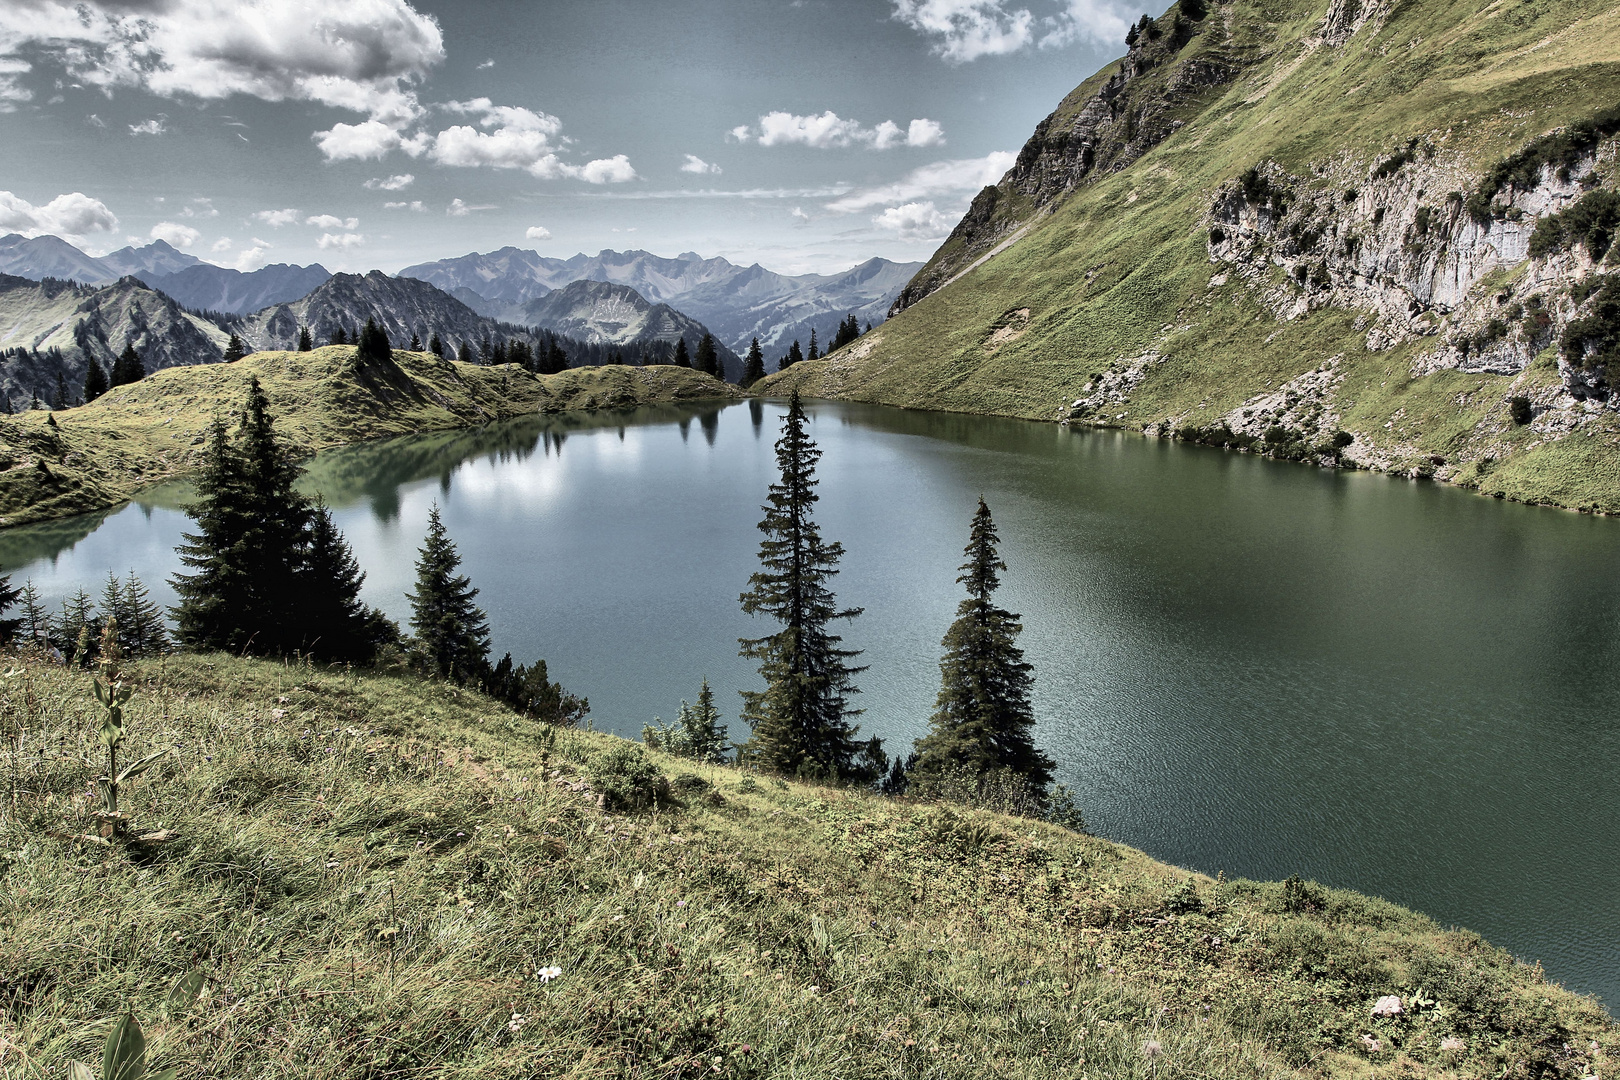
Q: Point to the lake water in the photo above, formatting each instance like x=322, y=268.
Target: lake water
x=1241, y=665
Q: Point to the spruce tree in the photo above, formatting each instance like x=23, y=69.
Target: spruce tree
x=373, y=344
x=247, y=552
x=9, y=595
x=234, y=350
x=128, y=367
x=435, y=346
x=336, y=623
x=794, y=356
x=682, y=357
x=59, y=400
x=77, y=627
x=416, y=344
x=95, y=381
x=801, y=720
x=815, y=350
x=754, y=365
x=452, y=633
x=708, y=357
x=983, y=717
x=36, y=621
x=338, y=337
x=465, y=354
x=141, y=621
x=305, y=342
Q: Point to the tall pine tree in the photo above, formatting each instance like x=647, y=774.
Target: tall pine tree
x=708, y=357
x=128, y=367
x=9, y=595
x=336, y=623
x=305, y=342
x=234, y=350
x=983, y=718
x=814, y=352
x=452, y=633
x=801, y=720
x=36, y=621
x=682, y=357
x=753, y=365
x=794, y=355
x=373, y=343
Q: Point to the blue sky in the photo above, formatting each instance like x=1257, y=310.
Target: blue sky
x=805, y=135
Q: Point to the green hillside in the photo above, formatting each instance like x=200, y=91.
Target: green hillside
x=99, y=454
x=1347, y=283
x=383, y=876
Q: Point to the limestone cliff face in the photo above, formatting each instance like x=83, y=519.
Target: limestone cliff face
x=1109, y=122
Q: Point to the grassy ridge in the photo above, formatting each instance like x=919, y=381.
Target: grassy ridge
x=373, y=870
x=97, y=455
x=1121, y=267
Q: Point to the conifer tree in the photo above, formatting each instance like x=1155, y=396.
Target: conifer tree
x=815, y=351
x=452, y=633
x=708, y=357
x=435, y=346
x=60, y=399
x=247, y=552
x=234, y=350
x=77, y=627
x=682, y=357
x=416, y=344
x=95, y=381
x=983, y=717
x=373, y=343
x=794, y=356
x=9, y=595
x=36, y=621
x=753, y=365
x=140, y=621
x=128, y=367
x=339, y=337
x=497, y=354
x=335, y=622
x=465, y=353
x=305, y=342
x=801, y=720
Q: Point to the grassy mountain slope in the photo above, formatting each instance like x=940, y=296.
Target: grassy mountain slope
x=97, y=455
x=373, y=872
x=1116, y=305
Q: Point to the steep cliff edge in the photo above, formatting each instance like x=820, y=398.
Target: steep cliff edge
x=1349, y=232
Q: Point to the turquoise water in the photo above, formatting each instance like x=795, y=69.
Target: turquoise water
x=1241, y=665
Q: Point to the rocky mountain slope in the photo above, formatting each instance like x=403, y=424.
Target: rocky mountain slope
x=737, y=303
x=1350, y=233
x=607, y=314
x=206, y=287
x=47, y=327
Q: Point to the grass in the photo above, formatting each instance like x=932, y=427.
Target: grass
x=1120, y=267
x=99, y=454
x=373, y=871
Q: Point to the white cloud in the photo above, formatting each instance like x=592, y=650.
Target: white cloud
x=74, y=214
x=964, y=30
x=174, y=233
x=964, y=175
x=11, y=89
x=390, y=183
x=95, y=121
x=414, y=204
x=328, y=221
x=341, y=242
x=486, y=65
x=830, y=130
x=155, y=126
x=457, y=208
x=915, y=221
x=537, y=232
x=277, y=218
x=1089, y=21
x=799, y=216
x=222, y=244
x=695, y=164
x=200, y=208
x=360, y=55
x=252, y=257
x=613, y=170
x=367, y=139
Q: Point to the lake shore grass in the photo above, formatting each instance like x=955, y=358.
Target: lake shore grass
x=385, y=876
x=55, y=464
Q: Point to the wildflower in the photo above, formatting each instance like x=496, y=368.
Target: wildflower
x=680, y=903
x=546, y=974
x=517, y=1022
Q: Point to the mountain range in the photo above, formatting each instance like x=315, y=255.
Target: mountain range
x=737, y=303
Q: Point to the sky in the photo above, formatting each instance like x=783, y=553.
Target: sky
x=806, y=135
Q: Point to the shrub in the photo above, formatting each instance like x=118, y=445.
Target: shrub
x=626, y=778
x=1063, y=810
x=1591, y=222
x=1560, y=149
x=1276, y=435
x=1594, y=341
x=1519, y=410
x=1342, y=439
x=1183, y=899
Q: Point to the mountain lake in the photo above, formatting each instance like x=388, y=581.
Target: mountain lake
x=1241, y=665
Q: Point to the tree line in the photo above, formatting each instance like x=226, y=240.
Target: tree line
x=849, y=330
